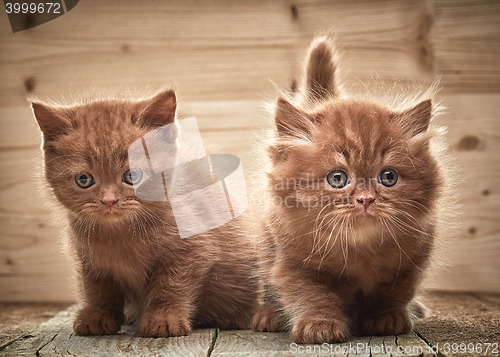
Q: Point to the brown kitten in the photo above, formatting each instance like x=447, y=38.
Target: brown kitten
x=128, y=250
x=350, y=211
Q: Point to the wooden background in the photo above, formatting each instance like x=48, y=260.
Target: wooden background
x=224, y=57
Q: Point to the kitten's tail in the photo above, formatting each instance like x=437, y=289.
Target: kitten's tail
x=320, y=71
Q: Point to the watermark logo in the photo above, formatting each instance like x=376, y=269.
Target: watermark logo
x=314, y=193
x=24, y=15
x=205, y=191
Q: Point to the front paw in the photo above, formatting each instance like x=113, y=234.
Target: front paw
x=267, y=319
x=311, y=330
x=393, y=322
x=160, y=323
x=95, y=321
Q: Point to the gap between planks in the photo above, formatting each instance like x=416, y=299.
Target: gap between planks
x=55, y=338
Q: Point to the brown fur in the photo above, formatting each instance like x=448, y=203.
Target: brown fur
x=346, y=261
x=134, y=256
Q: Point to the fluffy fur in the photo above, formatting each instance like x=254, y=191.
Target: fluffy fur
x=128, y=251
x=346, y=261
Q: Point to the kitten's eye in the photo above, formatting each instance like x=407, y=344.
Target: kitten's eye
x=337, y=179
x=132, y=177
x=84, y=180
x=388, y=177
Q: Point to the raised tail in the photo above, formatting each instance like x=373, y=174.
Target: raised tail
x=320, y=71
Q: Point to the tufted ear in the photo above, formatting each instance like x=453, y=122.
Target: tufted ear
x=290, y=121
x=416, y=120
x=51, y=120
x=160, y=110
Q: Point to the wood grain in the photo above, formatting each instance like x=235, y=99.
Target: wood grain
x=468, y=258
x=17, y=319
x=213, y=51
x=466, y=38
x=249, y=343
x=55, y=338
x=469, y=320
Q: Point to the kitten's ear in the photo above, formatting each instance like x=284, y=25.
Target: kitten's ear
x=320, y=70
x=51, y=121
x=417, y=119
x=290, y=121
x=160, y=110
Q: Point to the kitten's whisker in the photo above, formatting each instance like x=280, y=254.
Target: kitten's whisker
x=335, y=221
x=151, y=221
x=142, y=229
x=405, y=224
x=397, y=243
x=400, y=256
x=318, y=230
x=55, y=164
x=336, y=237
x=63, y=171
x=317, y=227
x=382, y=235
x=60, y=156
x=344, y=252
x=414, y=204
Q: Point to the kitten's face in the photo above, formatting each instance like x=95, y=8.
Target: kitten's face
x=86, y=158
x=88, y=166
x=359, y=168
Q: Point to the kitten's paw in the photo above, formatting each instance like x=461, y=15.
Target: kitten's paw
x=393, y=322
x=320, y=331
x=160, y=323
x=95, y=321
x=267, y=319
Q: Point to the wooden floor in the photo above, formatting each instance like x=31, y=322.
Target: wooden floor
x=458, y=321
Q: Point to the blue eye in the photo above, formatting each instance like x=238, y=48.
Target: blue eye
x=337, y=179
x=84, y=180
x=388, y=177
x=131, y=177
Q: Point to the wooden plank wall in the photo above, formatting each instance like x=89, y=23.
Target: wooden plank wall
x=224, y=56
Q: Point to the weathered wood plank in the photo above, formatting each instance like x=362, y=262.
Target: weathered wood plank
x=467, y=319
x=469, y=257
x=18, y=319
x=382, y=37
x=462, y=324
x=55, y=338
x=465, y=37
x=248, y=343
x=215, y=51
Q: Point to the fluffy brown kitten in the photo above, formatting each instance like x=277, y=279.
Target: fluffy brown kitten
x=128, y=250
x=349, y=214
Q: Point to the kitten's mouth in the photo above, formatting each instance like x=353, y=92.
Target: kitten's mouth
x=365, y=213
x=110, y=210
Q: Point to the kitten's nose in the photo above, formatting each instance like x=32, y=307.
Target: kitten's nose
x=109, y=199
x=109, y=203
x=365, y=201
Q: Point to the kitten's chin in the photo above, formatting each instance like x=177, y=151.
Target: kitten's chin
x=366, y=229
x=365, y=221
x=364, y=215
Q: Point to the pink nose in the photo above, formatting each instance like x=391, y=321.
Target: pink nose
x=109, y=203
x=365, y=201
